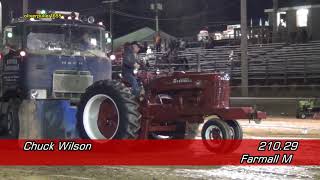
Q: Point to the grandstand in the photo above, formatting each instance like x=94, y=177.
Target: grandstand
x=275, y=63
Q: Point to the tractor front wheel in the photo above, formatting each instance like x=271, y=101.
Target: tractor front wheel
x=108, y=110
x=214, y=133
x=236, y=134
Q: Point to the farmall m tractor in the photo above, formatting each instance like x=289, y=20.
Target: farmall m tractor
x=172, y=107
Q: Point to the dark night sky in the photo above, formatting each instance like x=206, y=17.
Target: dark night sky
x=208, y=12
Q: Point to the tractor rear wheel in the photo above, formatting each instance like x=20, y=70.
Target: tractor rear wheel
x=214, y=133
x=108, y=110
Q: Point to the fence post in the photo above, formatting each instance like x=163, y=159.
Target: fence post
x=267, y=70
x=198, y=62
x=231, y=69
x=304, y=70
x=286, y=72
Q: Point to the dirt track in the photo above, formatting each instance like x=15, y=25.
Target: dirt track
x=271, y=128
x=282, y=127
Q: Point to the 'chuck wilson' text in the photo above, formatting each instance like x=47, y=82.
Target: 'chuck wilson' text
x=60, y=146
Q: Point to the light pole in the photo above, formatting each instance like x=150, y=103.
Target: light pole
x=244, y=49
x=110, y=2
x=275, y=20
x=156, y=7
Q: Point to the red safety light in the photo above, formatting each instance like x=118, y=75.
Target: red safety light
x=1, y=56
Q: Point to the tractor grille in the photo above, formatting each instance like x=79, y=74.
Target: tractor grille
x=70, y=84
x=68, y=95
x=221, y=94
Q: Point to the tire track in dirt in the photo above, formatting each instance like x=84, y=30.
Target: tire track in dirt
x=251, y=173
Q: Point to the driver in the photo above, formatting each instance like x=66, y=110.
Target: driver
x=130, y=62
x=85, y=42
x=34, y=42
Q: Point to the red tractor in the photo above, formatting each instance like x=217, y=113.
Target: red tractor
x=173, y=106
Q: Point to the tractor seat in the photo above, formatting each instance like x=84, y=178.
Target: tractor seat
x=164, y=98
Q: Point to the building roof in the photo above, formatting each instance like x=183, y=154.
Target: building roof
x=293, y=8
x=144, y=34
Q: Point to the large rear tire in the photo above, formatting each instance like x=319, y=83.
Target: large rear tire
x=107, y=110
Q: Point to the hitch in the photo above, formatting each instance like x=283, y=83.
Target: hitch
x=256, y=115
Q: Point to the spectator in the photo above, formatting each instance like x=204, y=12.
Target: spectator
x=158, y=42
x=182, y=44
x=211, y=43
x=281, y=30
x=293, y=36
x=144, y=48
x=304, y=35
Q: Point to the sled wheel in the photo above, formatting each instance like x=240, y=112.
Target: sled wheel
x=214, y=133
x=236, y=134
x=108, y=110
x=10, y=118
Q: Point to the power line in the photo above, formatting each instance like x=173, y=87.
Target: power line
x=90, y=9
x=131, y=15
x=160, y=19
x=124, y=14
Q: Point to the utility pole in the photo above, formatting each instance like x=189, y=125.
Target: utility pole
x=0, y=18
x=244, y=50
x=275, y=20
x=110, y=2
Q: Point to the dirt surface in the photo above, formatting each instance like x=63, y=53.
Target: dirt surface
x=270, y=128
x=157, y=173
x=282, y=128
